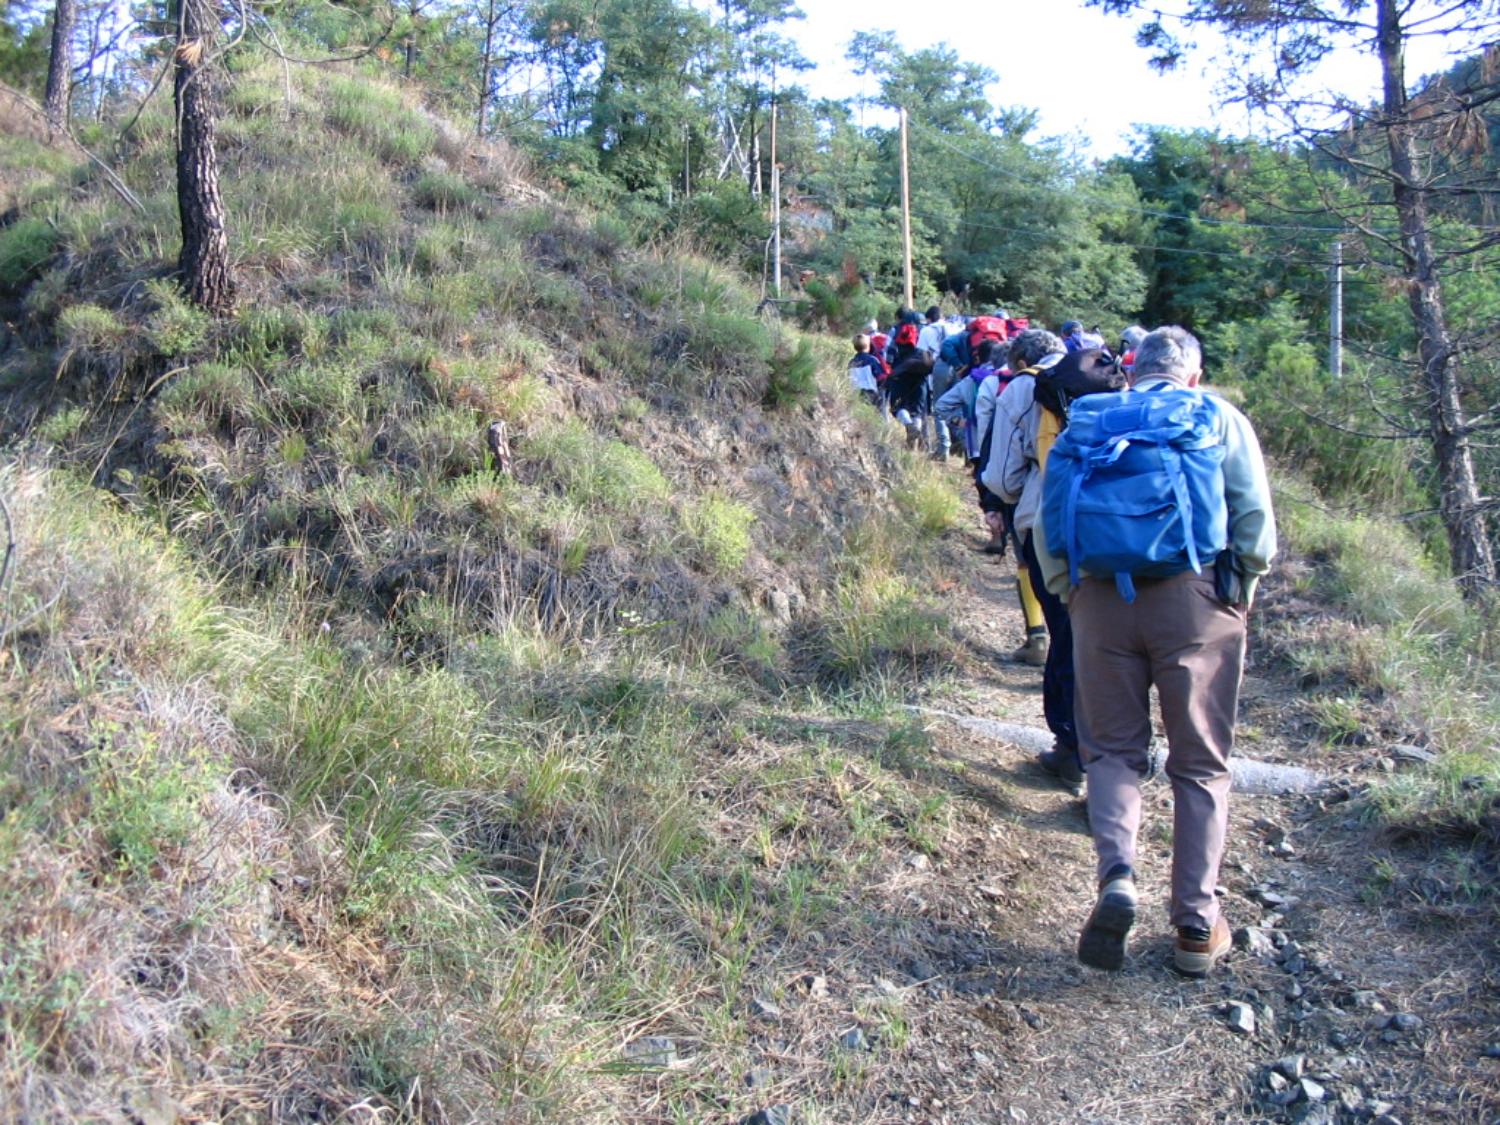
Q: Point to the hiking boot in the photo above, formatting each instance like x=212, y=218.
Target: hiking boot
x=996, y=544
x=1062, y=763
x=1102, y=943
x=1198, y=950
x=1033, y=652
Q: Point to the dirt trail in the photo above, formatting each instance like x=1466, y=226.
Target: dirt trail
x=1009, y=1027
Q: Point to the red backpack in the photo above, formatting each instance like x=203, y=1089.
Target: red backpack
x=906, y=336
x=1015, y=325
x=878, y=341
x=983, y=328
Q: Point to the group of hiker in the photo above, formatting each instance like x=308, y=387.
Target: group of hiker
x=1137, y=507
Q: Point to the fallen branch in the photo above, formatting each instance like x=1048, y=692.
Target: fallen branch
x=52, y=130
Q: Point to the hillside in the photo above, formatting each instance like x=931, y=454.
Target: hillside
x=351, y=774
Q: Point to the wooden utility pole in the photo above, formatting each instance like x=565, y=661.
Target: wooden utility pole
x=1336, y=312
x=775, y=207
x=905, y=215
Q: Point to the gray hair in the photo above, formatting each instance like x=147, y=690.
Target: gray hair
x=1131, y=337
x=1171, y=352
x=1033, y=345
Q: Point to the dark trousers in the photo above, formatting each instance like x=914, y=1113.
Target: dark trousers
x=1057, y=676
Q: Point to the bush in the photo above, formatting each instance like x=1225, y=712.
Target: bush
x=176, y=326
x=268, y=334
x=207, y=396
x=596, y=474
x=720, y=532
x=726, y=220
x=25, y=248
x=1292, y=402
x=65, y=425
x=366, y=222
x=794, y=376
x=445, y=191
x=927, y=498
x=480, y=385
x=879, y=620
x=308, y=391
x=89, y=328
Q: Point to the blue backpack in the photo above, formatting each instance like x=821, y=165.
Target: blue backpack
x=1134, y=485
x=955, y=351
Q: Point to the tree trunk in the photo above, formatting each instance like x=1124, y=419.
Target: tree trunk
x=60, y=64
x=484, y=70
x=1463, y=519
x=204, y=261
x=413, y=10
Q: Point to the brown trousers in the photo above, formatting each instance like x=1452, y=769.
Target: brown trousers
x=1180, y=637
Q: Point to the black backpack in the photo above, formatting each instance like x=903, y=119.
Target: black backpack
x=1089, y=372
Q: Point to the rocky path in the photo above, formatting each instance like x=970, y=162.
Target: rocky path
x=1338, y=1004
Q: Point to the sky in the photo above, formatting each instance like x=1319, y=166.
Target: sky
x=1079, y=67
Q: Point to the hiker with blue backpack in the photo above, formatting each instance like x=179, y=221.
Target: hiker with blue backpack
x=1156, y=525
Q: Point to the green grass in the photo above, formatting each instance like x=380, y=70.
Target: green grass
x=90, y=328
x=377, y=115
x=928, y=499
x=321, y=731
x=719, y=531
x=25, y=248
x=1405, y=654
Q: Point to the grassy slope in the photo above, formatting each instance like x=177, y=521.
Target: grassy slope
x=339, y=769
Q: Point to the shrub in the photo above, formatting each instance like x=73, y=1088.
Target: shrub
x=208, y=395
x=445, y=191
x=448, y=442
x=1292, y=401
x=517, y=397
x=268, y=334
x=794, y=376
x=719, y=529
x=739, y=637
x=25, y=248
x=879, y=620
x=176, y=326
x=306, y=391
x=366, y=222
x=437, y=248
x=927, y=498
x=592, y=473
x=144, y=804
x=90, y=328
x=64, y=425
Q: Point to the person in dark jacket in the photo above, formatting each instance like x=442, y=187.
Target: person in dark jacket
x=907, y=384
